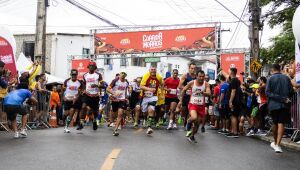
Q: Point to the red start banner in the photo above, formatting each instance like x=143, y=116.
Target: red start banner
x=7, y=56
x=236, y=60
x=156, y=41
x=81, y=66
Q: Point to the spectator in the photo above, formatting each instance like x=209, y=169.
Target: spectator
x=279, y=91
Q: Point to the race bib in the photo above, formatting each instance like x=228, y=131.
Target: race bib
x=197, y=100
x=121, y=95
x=173, y=91
x=148, y=93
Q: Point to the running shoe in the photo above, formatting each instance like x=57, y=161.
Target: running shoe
x=157, y=125
x=145, y=123
x=23, y=133
x=66, y=130
x=95, y=127
x=192, y=139
x=161, y=122
x=98, y=122
x=188, y=133
x=221, y=131
x=273, y=145
x=169, y=126
x=203, y=129
x=80, y=126
x=135, y=125
x=231, y=135
x=149, y=131
x=174, y=125
x=251, y=133
x=277, y=149
x=116, y=133
x=17, y=135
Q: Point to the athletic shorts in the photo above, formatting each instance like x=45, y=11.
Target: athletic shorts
x=168, y=101
x=281, y=116
x=216, y=110
x=118, y=105
x=92, y=102
x=236, y=112
x=13, y=110
x=186, y=100
x=133, y=102
x=149, y=102
x=69, y=105
x=224, y=111
x=198, y=108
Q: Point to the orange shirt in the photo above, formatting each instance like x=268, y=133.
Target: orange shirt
x=55, y=100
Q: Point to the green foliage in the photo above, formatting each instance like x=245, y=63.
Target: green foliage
x=283, y=45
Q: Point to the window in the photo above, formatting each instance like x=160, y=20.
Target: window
x=28, y=48
x=123, y=61
x=85, y=51
x=137, y=61
x=107, y=61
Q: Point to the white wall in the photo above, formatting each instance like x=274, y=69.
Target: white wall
x=66, y=45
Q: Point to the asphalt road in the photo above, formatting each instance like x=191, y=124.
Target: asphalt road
x=134, y=150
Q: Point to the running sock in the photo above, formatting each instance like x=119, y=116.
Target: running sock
x=189, y=125
x=68, y=121
x=82, y=121
x=150, y=121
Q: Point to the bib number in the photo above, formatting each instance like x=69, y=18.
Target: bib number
x=173, y=91
x=197, y=100
x=148, y=94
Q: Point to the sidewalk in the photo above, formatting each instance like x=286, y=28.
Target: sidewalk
x=286, y=142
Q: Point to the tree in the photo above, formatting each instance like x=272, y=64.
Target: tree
x=283, y=45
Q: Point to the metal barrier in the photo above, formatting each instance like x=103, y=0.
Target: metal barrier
x=3, y=117
x=295, y=112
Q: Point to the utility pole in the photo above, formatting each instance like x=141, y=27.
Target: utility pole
x=254, y=28
x=40, y=33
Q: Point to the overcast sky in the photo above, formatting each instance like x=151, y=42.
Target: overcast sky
x=20, y=15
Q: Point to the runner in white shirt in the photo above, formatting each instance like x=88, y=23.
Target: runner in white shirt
x=71, y=94
x=118, y=88
x=91, y=98
x=200, y=90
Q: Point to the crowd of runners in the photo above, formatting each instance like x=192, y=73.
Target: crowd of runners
x=151, y=101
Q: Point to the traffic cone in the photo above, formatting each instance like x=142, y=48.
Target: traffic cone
x=53, y=119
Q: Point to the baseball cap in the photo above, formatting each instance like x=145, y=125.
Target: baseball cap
x=92, y=63
x=255, y=86
x=74, y=72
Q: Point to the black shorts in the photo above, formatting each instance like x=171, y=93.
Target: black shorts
x=236, y=112
x=92, y=102
x=133, y=102
x=168, y=101
x=13, y=110
x=68, y=105
x=224, y=112
x=186, y=100
x=118, y=105
x=281, y=116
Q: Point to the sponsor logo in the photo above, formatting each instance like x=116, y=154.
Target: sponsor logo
x=7, y=59
x=3, y=43
x=232, y=58
x=180, y=38
x=125, y=41
x=153, y=41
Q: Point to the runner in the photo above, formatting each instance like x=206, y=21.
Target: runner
x=151, y=81
x=135, y=100
x=224, y=106
x=13, y=105
x=103, y=108
x=91, y=98
x=71, y=93
x=185, y=79
x=199, y=90
x=171, y=100
x=118, y=88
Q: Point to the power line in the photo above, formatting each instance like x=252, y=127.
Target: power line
x=194, y=9
x=240, y=18
x=182, y=11
x=80, y=6
x=125, y=19
x=231, y=12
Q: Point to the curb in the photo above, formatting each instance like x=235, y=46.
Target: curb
x=284, y=143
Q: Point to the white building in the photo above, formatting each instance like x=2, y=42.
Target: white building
x=58, y=47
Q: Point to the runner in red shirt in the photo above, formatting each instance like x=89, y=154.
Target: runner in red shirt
x=172, y=100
